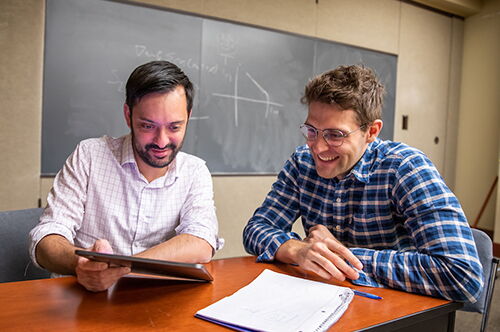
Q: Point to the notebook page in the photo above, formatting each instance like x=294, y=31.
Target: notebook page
x=279, y=302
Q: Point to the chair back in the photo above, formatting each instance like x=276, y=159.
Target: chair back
x=484, y=247
x=15, y=263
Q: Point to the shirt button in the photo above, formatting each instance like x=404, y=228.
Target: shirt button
x=337, y=227
x=338, y=200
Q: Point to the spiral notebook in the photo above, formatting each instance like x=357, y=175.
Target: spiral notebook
x=279, y=302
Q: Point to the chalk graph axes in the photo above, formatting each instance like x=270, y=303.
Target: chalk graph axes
x=236, y=97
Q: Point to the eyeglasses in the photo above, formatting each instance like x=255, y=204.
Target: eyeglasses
x=333, y=137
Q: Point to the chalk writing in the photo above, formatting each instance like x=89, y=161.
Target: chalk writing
x=226, y=45
x=236, y=97
x=117, y=81
x=143, y=51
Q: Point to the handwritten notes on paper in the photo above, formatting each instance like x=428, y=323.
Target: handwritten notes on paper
x=279, y=302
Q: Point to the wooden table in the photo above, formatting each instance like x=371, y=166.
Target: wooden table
x=142, y=305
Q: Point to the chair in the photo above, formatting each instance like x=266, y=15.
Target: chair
x=490, y=264
x=15, y=263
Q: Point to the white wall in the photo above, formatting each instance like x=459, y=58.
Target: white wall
x=479, y=117
x=423, y=80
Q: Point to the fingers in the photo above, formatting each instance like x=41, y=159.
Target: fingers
x=320, y=229
x=322, y=266
x=85, y=264
x=98, y=276
x=318, y=233
x=327, y=263
x=327, y=258
x=100, y=280
x=335, y=246
x=103, y=246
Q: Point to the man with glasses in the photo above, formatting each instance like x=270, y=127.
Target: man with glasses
x=375, y=212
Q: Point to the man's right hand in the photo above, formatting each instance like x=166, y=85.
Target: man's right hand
x=98, y=276
x=322, y=254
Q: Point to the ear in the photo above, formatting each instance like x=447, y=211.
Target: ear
x=126, y=114
x=374, y=130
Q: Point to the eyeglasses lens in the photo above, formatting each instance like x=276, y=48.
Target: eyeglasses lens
x=333, y=137
x=308, y=132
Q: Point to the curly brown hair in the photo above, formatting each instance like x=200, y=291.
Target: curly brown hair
x=351, y=88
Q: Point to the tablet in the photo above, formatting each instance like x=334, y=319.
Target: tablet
x=147, y=267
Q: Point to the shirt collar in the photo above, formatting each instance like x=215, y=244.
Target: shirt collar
x=172, y=173
x=361, y=171
x=127, y=151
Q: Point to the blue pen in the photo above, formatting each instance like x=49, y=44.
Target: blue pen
x=368, y=295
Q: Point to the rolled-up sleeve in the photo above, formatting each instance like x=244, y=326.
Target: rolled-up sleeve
x=271, y=224
x=197, y=215
x=65, y=202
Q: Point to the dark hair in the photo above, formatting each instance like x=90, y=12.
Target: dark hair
x=157, y=76
x=350, y=88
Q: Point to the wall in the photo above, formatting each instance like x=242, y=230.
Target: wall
x=479, y=118
x=463, y=8
x=428, y=45
x=496, y=238
x=420, y=95
x=21, y=64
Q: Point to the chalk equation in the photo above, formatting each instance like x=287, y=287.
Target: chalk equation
x=142, y=50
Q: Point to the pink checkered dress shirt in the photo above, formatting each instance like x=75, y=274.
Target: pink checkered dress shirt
x=100, y=193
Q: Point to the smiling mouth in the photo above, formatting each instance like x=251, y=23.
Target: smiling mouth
x=160, y=153
x=323, y=158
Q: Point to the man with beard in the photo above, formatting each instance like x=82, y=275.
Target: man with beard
x=376, y=212
x=133, y=195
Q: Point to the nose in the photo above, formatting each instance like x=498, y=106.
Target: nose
x=162, y=139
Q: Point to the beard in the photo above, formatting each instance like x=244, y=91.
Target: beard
x=149, y=159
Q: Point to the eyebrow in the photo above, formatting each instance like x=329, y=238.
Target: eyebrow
x=325, y=128
x=169, y=123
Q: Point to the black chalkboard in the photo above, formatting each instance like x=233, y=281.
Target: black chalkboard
x=248, y=80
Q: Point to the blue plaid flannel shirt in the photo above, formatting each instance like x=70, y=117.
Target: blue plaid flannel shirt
x=394, y=212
